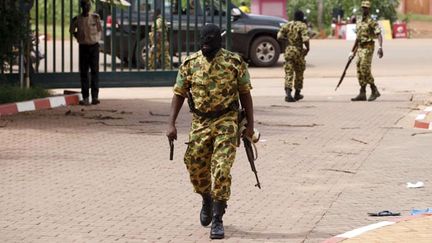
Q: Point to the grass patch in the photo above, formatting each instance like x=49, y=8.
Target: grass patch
x=415, y=17
x=58, y=32
x=10, y=94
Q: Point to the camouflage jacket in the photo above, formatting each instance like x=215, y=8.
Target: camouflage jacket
x=160, y=25
x=367, y=30
x=295, y=32
x=214, y=85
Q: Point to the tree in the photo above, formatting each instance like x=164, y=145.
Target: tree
x=12, y=28
x=320, y=13
x=387, y=9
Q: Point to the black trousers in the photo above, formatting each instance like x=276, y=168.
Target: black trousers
x=89, y=59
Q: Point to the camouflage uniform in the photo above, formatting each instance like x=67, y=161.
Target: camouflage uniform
x=156, y=50
x=367, y=30
x=214, y=86
x=295, y=32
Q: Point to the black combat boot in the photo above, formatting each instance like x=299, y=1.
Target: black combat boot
x=297, y=95
x=206, y=210
x=288, y=97
x=217, y=229
x=361, y=96
x=375, y=94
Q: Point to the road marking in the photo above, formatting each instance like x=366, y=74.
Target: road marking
x=359, y=231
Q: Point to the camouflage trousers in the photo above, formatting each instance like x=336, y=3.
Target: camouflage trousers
x=211, y=153
x=364, y=65
x=295, y=65
x=156, y=54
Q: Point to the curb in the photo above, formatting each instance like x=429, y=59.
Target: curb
x=421, y=122
x=362, y=230
x=40, y=104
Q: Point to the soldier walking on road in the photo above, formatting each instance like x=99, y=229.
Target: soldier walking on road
x=156, y=46
x=296, y=34
x=213, y=79
x=87, y=29
x=367, y=30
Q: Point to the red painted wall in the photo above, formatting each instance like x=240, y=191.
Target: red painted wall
x=417, y=6
x=270, y=7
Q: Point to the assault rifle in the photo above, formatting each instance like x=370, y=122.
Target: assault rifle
x=248, y=145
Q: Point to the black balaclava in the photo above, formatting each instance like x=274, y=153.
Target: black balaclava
x=299, y=16
x=211, y=41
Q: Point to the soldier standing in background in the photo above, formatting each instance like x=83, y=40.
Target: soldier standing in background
x=367, y=30
x=155, y=59
x=296, y=34
x=213, y=80
x=87, y=28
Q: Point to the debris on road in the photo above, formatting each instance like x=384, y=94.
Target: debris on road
x=156, y=114
x=343, y=171
x=421, y=211
x=288, y=125
x=153, y=122
x=102, y=117
x=359, y=141
x=418, y=184
x=420, y=133
x=384, y=213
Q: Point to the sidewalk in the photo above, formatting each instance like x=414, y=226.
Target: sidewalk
x=101, y=173
x=409, y=229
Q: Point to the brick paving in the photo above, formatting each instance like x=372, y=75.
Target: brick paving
x=102, y=174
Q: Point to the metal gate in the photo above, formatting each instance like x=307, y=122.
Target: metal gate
x=125, y=43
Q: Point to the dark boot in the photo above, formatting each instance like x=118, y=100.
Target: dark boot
x=85, y=102
x=95, y=101
x=375, y=94
x=217, y=229
x=288, y=97
x=206, y=210
x=361, y=96
x=297, y=95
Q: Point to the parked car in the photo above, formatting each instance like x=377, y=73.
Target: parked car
x=253, y=36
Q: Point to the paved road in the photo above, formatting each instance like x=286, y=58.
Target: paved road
x=326, y=59
x=102, y=173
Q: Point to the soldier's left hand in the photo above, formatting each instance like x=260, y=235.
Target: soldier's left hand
x=380, y=52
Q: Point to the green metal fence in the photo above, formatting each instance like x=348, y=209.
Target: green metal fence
x=125, y=42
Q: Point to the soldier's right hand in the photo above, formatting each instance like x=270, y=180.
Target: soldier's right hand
x=172, y=132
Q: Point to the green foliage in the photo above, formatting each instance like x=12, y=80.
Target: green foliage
x=237, y=2
x=56, y=5
x=387, y=9
x=415, y=17
x=10, y=94
x=12, y=29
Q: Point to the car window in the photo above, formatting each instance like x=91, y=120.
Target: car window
x=143, y=6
